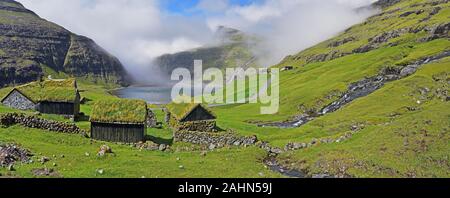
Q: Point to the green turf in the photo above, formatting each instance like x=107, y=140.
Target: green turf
x=119, y=111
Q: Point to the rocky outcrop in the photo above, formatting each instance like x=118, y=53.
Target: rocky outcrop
x=9, y=119
x=380, y=39
x=30, y=45
x=385, y=3
x=437, y=32
x=341, y=42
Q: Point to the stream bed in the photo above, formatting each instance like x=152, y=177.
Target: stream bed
x=359, y=89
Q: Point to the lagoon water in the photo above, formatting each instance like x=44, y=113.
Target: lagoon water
x=151, y=94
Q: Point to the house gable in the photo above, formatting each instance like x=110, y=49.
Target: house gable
x=197, y=114
x=15, y=99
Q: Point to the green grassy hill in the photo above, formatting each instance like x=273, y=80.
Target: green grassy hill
x=406, y=122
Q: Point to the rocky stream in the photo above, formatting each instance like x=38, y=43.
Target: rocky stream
x=358, y=90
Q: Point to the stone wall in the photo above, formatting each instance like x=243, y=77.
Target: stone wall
x=203, y=126
x=39, y=123
x=214, y=140
x=152, y=121
x=18, y=101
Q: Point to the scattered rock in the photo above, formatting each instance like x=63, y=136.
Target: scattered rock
x=407, y=14
x=276, y=151
x=100, y=171
x=44, y=159
x=162, y=147
x=104, y=149
x=10, y=154
x=45, y=172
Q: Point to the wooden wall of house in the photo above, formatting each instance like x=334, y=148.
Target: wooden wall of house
x=77, y=103
x=118, y=132
x=198, y=114
x=60, y=108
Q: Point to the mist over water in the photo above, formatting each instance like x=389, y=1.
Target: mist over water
x=138, y=31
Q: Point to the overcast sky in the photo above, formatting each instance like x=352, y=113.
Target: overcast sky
x=136, y=31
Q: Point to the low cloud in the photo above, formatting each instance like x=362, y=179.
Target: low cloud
x=289, y=26
x=137, y=31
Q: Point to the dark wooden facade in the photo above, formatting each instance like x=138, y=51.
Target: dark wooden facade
x=198, y=114
x=128, y=133
x=60, y=108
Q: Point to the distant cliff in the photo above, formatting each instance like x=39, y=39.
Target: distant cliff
x=31, y=47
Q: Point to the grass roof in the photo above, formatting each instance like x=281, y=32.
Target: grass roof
x=50, y=90
x=124, y=111
x=181, y=111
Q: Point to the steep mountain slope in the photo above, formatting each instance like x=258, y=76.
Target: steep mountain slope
x=401, y=34
x=371, y=102
x=31, y=47
x=232, y=50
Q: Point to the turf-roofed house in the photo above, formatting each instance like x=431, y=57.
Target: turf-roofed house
x=119, y=120
x=190, y=117
x=49, y=96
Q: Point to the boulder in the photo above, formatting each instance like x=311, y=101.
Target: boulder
x=104, y=149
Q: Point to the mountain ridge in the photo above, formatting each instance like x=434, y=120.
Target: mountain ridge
x=32, y=47
x=232, y=48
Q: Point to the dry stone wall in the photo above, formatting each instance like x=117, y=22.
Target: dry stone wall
x=39, y=123
x=203, y=126
x=214, y=140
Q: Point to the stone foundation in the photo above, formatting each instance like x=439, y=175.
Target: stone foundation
x=39, y=123
x=214, y=140
x=203, y=126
